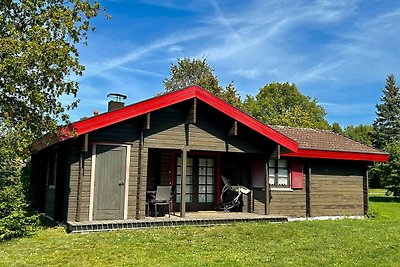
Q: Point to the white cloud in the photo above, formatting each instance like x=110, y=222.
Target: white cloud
x=140, y=52
x=140, y=72
x=247, y=73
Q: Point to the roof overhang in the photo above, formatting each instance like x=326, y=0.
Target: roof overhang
x=109, y=118
x=342, y=155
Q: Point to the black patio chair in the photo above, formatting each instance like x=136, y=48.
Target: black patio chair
x=162, y=198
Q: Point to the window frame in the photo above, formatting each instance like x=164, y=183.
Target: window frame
x=276, y=176
x=51, y=173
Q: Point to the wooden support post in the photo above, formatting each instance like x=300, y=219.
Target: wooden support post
x=192, y=113
x=365, y=192
x=279, y=151
x=234, y=129
x=85, y=145
x=183, y=182
x=139, y=180
x=308, y=191
x=267, y=189
x=146, y=123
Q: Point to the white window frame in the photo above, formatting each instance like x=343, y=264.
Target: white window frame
x=276, y=171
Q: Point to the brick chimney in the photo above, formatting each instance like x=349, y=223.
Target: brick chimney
x=116, y=102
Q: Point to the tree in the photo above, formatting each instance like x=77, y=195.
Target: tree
x=15, y=217
x=387, y=123
x=187, y=72
x=283, y=104
x=386, y=136
x=336, y=128
x=361, y=133
x=389, y=172
x=38, y=57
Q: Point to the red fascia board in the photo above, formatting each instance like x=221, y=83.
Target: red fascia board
x=324, y=154
x=134, y=110
x=247, y=120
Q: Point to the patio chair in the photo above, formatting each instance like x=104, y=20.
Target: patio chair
x=162, y=198
x=229, y=203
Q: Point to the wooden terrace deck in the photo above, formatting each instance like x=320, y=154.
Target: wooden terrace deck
x=207, y=218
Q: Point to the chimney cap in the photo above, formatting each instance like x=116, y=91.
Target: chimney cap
x=117, y=97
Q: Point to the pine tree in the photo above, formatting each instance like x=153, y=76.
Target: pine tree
x=387, y=124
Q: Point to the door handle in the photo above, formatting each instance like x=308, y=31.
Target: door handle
x=121, y=183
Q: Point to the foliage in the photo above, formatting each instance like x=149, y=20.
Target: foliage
x=38, y=61
x=336, y=128
x=309, y=243
x=38, y=57
x=386, y=136
x=361, y=133
x=283, y=104
x=387, y=123
x=15, y=219
x=389, y=172
x=187, y=72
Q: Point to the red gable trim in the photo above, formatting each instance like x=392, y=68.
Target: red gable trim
x=134, y=110
x=245, y=119
x=324, y=154
x=131, y=111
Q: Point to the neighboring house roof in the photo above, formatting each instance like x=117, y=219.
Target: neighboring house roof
x=316, y=143
x=162, y=101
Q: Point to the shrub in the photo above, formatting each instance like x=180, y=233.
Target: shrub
x=15, y=217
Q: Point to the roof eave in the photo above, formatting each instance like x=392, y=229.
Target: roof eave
x=342, y=155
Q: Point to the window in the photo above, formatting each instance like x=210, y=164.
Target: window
x=278, y=173
x=206, y=180
x=52, y=170
x=189, y=179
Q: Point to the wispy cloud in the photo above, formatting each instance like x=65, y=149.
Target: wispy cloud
x=247, y=73
x=140, y=72
x=142, y=51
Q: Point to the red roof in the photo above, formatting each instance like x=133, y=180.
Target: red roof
x=140, y=108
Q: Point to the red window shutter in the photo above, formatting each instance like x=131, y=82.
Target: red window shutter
x=258, y=173
x=296, y=169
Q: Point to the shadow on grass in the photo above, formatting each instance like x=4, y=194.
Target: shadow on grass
x=45, y=222
x=384, y=199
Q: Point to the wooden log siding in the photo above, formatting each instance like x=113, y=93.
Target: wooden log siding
x=168, y=132
x=141, y=195
x=365, y=192
x=259, y=201
x=288, y=203
x=336, y=195
x=73, y=163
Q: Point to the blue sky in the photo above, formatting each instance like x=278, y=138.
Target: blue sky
x=338, y=51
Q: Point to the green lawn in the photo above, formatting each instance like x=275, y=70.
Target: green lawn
x=369, y=242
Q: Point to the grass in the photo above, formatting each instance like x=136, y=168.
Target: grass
x=369, y=242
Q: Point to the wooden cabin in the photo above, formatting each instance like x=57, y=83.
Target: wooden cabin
x=100, y=168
